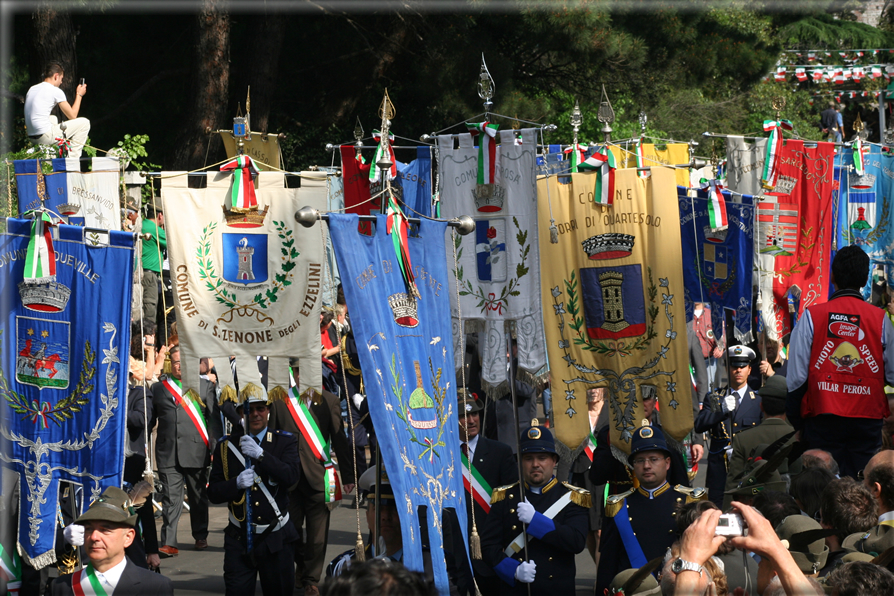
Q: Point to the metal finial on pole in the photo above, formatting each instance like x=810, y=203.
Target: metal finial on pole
x=386, y=113
x=778, y=103
x=606, y=115
x=576, y=119
x=643, y=119
x=486, y=86
x=358, y=137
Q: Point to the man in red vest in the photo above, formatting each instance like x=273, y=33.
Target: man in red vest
x=838, y=368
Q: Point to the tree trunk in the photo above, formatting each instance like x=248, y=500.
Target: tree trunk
x=210, y=87
x=53, y=39
x=265, y=37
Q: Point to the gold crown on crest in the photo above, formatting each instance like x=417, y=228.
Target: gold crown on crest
x=49, y=296
x=404, y=308
x=608, y=246
x=68, y=208
x=247, y=218
x=785, y=185
x=489, y=197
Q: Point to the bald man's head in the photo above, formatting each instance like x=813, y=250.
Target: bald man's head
x=879, y=478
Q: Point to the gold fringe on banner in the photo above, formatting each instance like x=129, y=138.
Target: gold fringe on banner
x=277, y=394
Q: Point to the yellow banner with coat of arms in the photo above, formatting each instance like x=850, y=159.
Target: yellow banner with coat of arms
x=613, y=303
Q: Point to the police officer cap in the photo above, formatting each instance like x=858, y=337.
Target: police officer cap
x=537, y=439
x=367, y=483
x=253, y=394
x=648, y=587
x=647, y=438
x=805, y=539
x=468, y=402
x=113, y=506
x=741, y=355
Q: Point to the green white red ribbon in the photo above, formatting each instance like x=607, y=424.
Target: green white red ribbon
x=859, y=152
x=397, y=227
x=590, y=447
x=320, y=447
x=641, y=159
x=716, y=204
x=603, y=163
x=242, y=195
x=476, y=485
x=375, y=172
x=11, y=570
x=487, y=149
x=85, y=583
x=575, y=156
x=189, y=404
x=63, y=146
x=40, y=260
x=774, y=151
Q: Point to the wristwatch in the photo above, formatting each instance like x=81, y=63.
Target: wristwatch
x=679, y=565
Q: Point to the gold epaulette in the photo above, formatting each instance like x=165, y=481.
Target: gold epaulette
x=228, y=393
x=692, y=494
x=614, y=502
x=499, y=493
x=579, y=496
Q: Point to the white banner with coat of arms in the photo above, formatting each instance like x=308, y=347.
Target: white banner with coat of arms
x=247, y=279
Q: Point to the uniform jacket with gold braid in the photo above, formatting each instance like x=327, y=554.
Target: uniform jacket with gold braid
x=553, y=550
x=723, y=427
x=654, y=524
x=279, y=469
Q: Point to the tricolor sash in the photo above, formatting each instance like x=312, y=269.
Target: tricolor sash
x=476, y=485
x=519, y=543
x=320, y=447
x=774, y=150
x=641, y=159
x=590, y=447
x=717, y=218
x=40, y=260
x=85, y=583
x=11, y=570
x=189, y=404
x=242, y=195
x=487, y=149
x=631, y=544
x=603, y=162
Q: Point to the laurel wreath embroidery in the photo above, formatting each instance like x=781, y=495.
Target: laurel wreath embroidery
x=64, y=408
x=443, y=413
x=610, y=348
x=714, y=288
x=882, y=227
x=260, y=301
x=492, y=301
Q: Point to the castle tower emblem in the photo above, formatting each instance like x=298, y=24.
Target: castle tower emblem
x=245, y=254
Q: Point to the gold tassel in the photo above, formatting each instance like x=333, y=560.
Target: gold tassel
x=475, y=543
x=276, y=394
x=228, y=393
x=499, y=493
x=167, y=368
x=359, y=552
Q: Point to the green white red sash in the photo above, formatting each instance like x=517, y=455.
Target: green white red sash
x=859, y=152
x=774, y=150
x=603, y=163
x=716, y=204
x=590, y=447
x=40, y=260
x=575, y=157
x=242, y=195
x=397, y=226
x=320, y=447
x=85, y=583
x=375, y=172
x=11, y=570
x=189, y=404
x=476, y=485
x=641, y=159
x=487, y=149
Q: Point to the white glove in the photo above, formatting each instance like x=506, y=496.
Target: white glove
x=357, y=399
x=74, y=534
x=728, y=403
x=245, y=478
x=525, y=512
x=250, y=447
x=526, y=571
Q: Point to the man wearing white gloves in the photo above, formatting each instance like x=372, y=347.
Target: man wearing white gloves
x=553, y=514
x=252, y=473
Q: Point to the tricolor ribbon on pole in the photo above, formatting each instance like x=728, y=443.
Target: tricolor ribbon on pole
x=774, y=150
x=859, y=152
x=487, y=149
x=716, y=203
x=603, y=162
x=397, y=226
x=375, y=172
x=242, y=195
x=641, y=159
x=575, y=156
x=63, y=146
x=40, y=260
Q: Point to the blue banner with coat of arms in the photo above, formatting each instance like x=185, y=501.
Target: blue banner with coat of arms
x=718, y=265
x=63, y=372
x=406, y=354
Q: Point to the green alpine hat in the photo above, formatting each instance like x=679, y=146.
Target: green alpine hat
x=113, y=506
x=805, y=539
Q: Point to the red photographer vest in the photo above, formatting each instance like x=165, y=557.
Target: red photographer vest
x=847, y=369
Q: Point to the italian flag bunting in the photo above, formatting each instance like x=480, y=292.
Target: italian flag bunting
x=242, y=195
x=774, y=149
x=397, y=226
x=375, y=172
x=314, y=437
x=590, y=447
x=716, y=203
x=476, y=485
x=641, y=159
x=575, y=156
x=859, y=152
x=487, y=149
x=189, y=403
x=85, y=583
x=11, y=570
x=40, y=260
x=603, y=162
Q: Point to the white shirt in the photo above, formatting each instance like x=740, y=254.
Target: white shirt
x=651, y=491
x=110, y=578
x=471, y=445
x=742, y=393
x=887, y=516
x=39, y=102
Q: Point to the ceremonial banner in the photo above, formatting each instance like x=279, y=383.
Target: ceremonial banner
x=65, y=334
x=88, y=199
x=415, y=182
x=497, y=267
x=412, y=393
x=613, y=296
x=336, y=202
x=262, y=148
x=745, y=164
x=247, y=282
x=673, y=154
x=717, y=265
x=795, y=233
x=355, y=177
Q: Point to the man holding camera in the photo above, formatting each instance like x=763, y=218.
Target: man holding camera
x=40, y=101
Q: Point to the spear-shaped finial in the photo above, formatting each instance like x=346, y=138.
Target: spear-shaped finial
x=606, y=115
x=576, y=119
x=386, y=113
x=486, y=86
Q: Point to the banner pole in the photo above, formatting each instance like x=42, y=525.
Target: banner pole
x=521, y=478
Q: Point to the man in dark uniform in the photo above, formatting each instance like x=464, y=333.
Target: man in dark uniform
x=493, y=465
x=640, y=524
x=255, y=478
x=725, y=413
x=551, y=514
